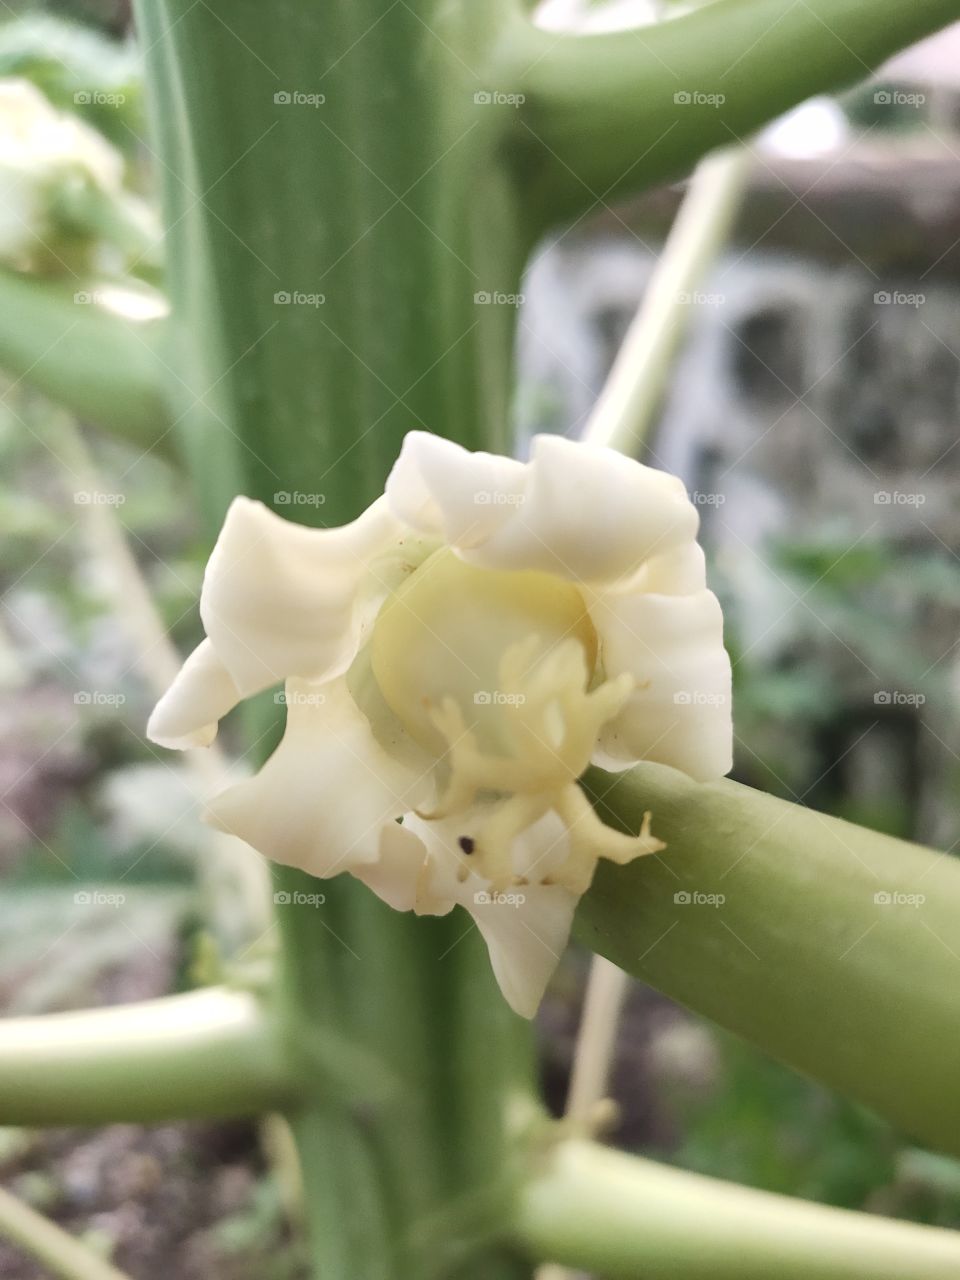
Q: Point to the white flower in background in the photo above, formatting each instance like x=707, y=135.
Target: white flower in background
x=51, y=165
x=457, y=657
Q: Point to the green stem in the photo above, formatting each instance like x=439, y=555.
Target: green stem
x=829, y=946
x=386, y=204
x=623, y=415
x=47, y=1244
x=213, y=1052
x=103, y=367
x=590, y=1207
x=600, y=118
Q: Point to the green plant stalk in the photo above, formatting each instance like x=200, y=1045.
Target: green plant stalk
x=105, y=368
x=625, y=409
x=385, y=200
x=46, y=1243
x=590, y=1207
x=600, y=118
x=214, y=1052
x=799, y=956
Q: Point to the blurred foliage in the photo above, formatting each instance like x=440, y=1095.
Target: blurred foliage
x=763, y=1125
x=80, y=70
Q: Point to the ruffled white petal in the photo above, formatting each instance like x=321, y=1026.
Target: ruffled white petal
x=526, y=929
x=201, y=695
x=283, y=600
x=320, y=801
x=680, y=712
x=440, y=488
x=396, y=875
x=584, y=513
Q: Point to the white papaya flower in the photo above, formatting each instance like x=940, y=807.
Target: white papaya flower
x=456, y=658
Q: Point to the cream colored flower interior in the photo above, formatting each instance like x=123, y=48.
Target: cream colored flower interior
x=456, y=658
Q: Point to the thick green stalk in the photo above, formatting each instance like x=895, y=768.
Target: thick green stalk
x=831, y=947
x=606, y=115
x=607, y=1212
x=214, y=1052
x=324, y=262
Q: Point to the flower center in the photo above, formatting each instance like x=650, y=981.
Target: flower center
x=492, y=673
x=443, y=636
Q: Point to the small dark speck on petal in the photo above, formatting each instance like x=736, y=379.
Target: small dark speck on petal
x=467, y=844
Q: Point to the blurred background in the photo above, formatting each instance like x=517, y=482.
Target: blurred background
x=813, y=413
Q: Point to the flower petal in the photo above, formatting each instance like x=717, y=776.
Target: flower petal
x=282, y=600
x=201, y=695
x=396, y=874
x=525, y=929
x=590, y=514
x=320, y=801
x=440, y=488
x=585, y=513
x=526, y=940
x=680, y=712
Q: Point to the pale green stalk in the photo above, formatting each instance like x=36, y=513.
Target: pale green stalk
x=59, y=1253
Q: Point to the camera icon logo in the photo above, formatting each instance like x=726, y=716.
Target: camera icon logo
x=282, y=498
x=281, y=898
x=682, y=898
x=282, y=98
x=83, y=898
x=882, y=698
x=882, y=899
x=282, y=298
x=883, y=97
x=481, y=299
x=483, y=98
x=482, y=698
x=683, y=98
x=882, y=299
x=682, y=698
x=83, y=97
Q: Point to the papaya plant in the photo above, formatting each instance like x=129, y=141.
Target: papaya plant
x=472, y=643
